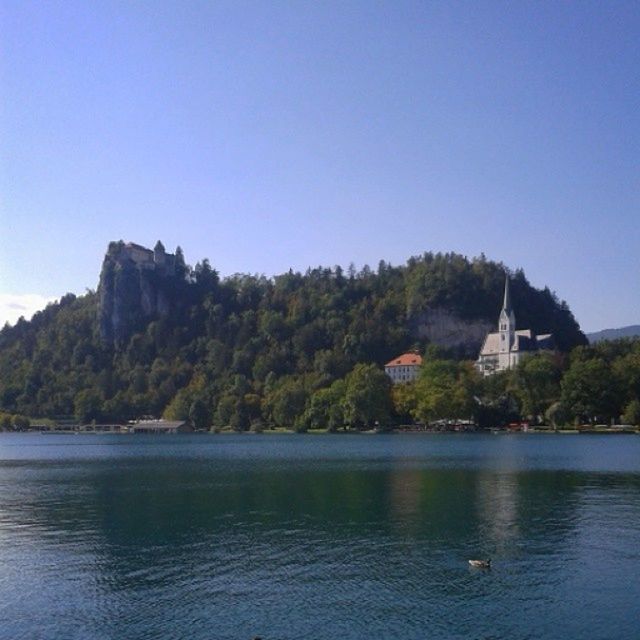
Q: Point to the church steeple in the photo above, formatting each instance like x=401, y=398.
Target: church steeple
x=507, y=322
x=506, y=303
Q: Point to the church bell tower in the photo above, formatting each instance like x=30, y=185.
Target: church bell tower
x=506, y=328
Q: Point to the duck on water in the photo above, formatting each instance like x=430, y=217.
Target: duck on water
x=481, y=564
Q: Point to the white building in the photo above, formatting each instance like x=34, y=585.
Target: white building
x=504, y=349
x=404, y=368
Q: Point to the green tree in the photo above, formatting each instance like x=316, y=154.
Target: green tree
x=179, y=407
x=632, y=413
x=537, y=384
x=367, y=398
x=324, y=409
x=199, y=414
x=405, y=400
x=240, y=418
x=21, y=422
x=589, y=390
x=626, y=368
x=496, y=403
x=87, y=406
x=557, y=415
x=444, y=390
x=225, y=410
x=286, y=402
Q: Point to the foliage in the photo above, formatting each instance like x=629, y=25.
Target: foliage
x=632, y=413
x=497, y=402
x=536, y=384
x=444, y=390
x=285, y=402
x=589, y=390
x=199, y=414
x=297, y=350
x=87, y=406
x=325, y=408
x=557, y=415
x=367, y=396
x=20, y=422
x=404, y=399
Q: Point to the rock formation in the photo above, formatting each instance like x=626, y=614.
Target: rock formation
x=133, y=288
x=445, y=329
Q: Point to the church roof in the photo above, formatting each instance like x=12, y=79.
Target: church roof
x=545, y=341
x=405, y=359
x=524, y=340
x=491, y=344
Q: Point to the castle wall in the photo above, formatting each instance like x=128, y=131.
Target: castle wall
x=139, y=255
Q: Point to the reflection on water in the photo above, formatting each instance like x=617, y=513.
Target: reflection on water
x=318, y=537
x=497, y=501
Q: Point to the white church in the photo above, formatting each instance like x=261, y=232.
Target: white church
x=504, y=349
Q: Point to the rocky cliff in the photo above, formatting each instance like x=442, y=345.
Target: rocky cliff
x=446, y=329
x=134, y=288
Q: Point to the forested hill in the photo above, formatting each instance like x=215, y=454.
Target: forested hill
x=632, y=331
x=159, y=336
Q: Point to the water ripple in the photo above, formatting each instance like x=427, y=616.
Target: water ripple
x=346, y=538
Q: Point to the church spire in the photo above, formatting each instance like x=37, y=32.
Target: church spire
x=506, y=304
x=507, y=323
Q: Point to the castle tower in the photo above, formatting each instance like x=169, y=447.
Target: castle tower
x=506, y=328
x=159, y=256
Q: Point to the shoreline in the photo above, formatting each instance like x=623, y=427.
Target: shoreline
x=627, y=430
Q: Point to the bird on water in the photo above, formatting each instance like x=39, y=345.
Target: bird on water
x=481, y=564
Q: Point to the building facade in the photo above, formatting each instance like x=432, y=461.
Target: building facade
x=404, y=368
x=505, y=348
x=157, y=259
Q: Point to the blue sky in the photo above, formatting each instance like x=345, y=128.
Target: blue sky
x=270, y=135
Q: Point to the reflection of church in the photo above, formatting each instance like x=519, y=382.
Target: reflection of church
x=499, y=497
x=505, y=348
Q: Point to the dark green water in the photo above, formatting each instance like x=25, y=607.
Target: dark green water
x=319, y=537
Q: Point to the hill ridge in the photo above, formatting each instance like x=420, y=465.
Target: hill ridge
x=152, y=341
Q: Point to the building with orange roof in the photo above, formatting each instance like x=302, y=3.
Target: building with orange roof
x=404, y=368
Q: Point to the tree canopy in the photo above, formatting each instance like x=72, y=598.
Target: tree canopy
x=295, y=350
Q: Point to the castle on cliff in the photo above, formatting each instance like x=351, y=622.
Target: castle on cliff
x=158, y=259
x=135, y=286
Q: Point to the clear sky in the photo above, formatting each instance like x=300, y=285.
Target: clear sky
x=269, y=135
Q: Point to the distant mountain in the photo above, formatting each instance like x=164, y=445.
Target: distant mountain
x=613, y=334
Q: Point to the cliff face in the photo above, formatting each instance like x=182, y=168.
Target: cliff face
x=132, y=289
x=446, y=329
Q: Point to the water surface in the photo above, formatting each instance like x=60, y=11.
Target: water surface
x=319, y=537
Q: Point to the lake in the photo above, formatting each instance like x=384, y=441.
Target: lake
x=319, y=536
